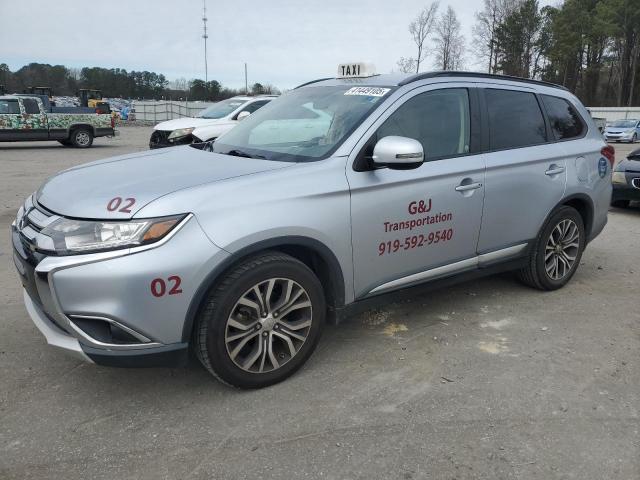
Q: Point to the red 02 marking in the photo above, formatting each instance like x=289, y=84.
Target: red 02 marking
x=159, y=286
x=116, y=203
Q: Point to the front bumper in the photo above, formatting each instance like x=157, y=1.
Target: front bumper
x=618, y=137
x=630, y=190
x=100, y=307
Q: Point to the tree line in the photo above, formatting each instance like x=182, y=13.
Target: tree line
x=118, y=82
x=592, y=47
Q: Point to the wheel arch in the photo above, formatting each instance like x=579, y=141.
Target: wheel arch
x=76, y=126
x=313, y=253
x=584, y=205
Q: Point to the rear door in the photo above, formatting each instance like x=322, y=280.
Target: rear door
x=34, y=120
x=526, y=174
x=10, y=120
x=409, y=226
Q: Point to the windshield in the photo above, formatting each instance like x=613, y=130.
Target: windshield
x=222, y=109
x=305, y=124
x=623, y=124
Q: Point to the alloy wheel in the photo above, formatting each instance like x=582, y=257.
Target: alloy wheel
x=562, y=249
x=82, y=138
x=268, y=325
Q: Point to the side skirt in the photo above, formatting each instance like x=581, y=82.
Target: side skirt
x=367, y=303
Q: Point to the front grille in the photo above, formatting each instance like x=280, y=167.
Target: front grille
x=31, y=220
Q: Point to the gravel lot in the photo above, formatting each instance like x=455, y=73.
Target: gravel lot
x=485, y=380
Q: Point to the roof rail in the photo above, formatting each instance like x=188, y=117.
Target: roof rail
x=313, y=81
x=454, y=73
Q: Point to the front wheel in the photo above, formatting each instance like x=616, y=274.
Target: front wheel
x=556, y=253
x=634, y=139
x=261, y=322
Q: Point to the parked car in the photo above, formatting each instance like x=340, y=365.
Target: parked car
x=623, y=131
x=32, y=117
x=242, y=253
x=210, y=123
x=626, y=181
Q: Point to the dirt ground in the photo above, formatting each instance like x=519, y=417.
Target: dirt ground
x=484, y=380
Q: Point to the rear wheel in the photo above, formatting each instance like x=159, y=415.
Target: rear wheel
x=261, y=322
x=556, y=253
x=81, y=138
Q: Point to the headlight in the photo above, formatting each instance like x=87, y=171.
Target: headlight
x=84, y=236
x=181, y=132
x=619, y=178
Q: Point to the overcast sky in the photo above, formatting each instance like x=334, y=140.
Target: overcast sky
x=284, y=42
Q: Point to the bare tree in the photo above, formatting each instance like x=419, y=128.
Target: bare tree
x=484, y=31
x=406, y=65
x=179, y=84
x=420, y=29
x=449, y=41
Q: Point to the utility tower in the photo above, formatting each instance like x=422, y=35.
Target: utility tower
x=205, y=36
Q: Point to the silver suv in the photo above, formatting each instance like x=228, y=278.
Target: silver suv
x=329, y=197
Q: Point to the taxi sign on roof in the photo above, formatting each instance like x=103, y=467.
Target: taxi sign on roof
x=356, y=70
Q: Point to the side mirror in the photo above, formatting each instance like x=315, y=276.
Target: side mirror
x=398, y=153
x=242, y=115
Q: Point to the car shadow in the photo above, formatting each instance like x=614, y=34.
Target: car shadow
x=49, y=147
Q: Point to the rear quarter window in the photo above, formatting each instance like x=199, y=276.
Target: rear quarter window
x=565, y=121
x=30, y=106
x=515, y=119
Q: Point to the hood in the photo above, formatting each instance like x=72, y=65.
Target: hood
x=92, y=190
x=208, y=132
x=188, y=122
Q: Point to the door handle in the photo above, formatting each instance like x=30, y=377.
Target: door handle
x=468, y=186
x=554, y=170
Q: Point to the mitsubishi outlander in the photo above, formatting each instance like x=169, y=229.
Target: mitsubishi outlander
x=340, y=191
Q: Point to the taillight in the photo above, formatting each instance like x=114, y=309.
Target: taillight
x=113, y=122
x=609, y=153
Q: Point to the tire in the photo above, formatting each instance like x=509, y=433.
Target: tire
x=634, y=139
x=620, y=203
x=81, y=138
x=536, y=273
x=240, y=351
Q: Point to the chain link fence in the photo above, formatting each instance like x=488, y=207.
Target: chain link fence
x=153, y=112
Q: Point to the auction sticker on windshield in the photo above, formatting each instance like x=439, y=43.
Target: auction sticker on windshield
x=368, y=91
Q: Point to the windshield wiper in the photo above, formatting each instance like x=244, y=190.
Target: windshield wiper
x=240, y=153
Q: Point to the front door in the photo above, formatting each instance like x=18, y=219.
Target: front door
x=412, y=225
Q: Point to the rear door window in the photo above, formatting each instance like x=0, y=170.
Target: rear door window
x=30, y=106
x=564, y=120
x=9, y=107
x=515, y=119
